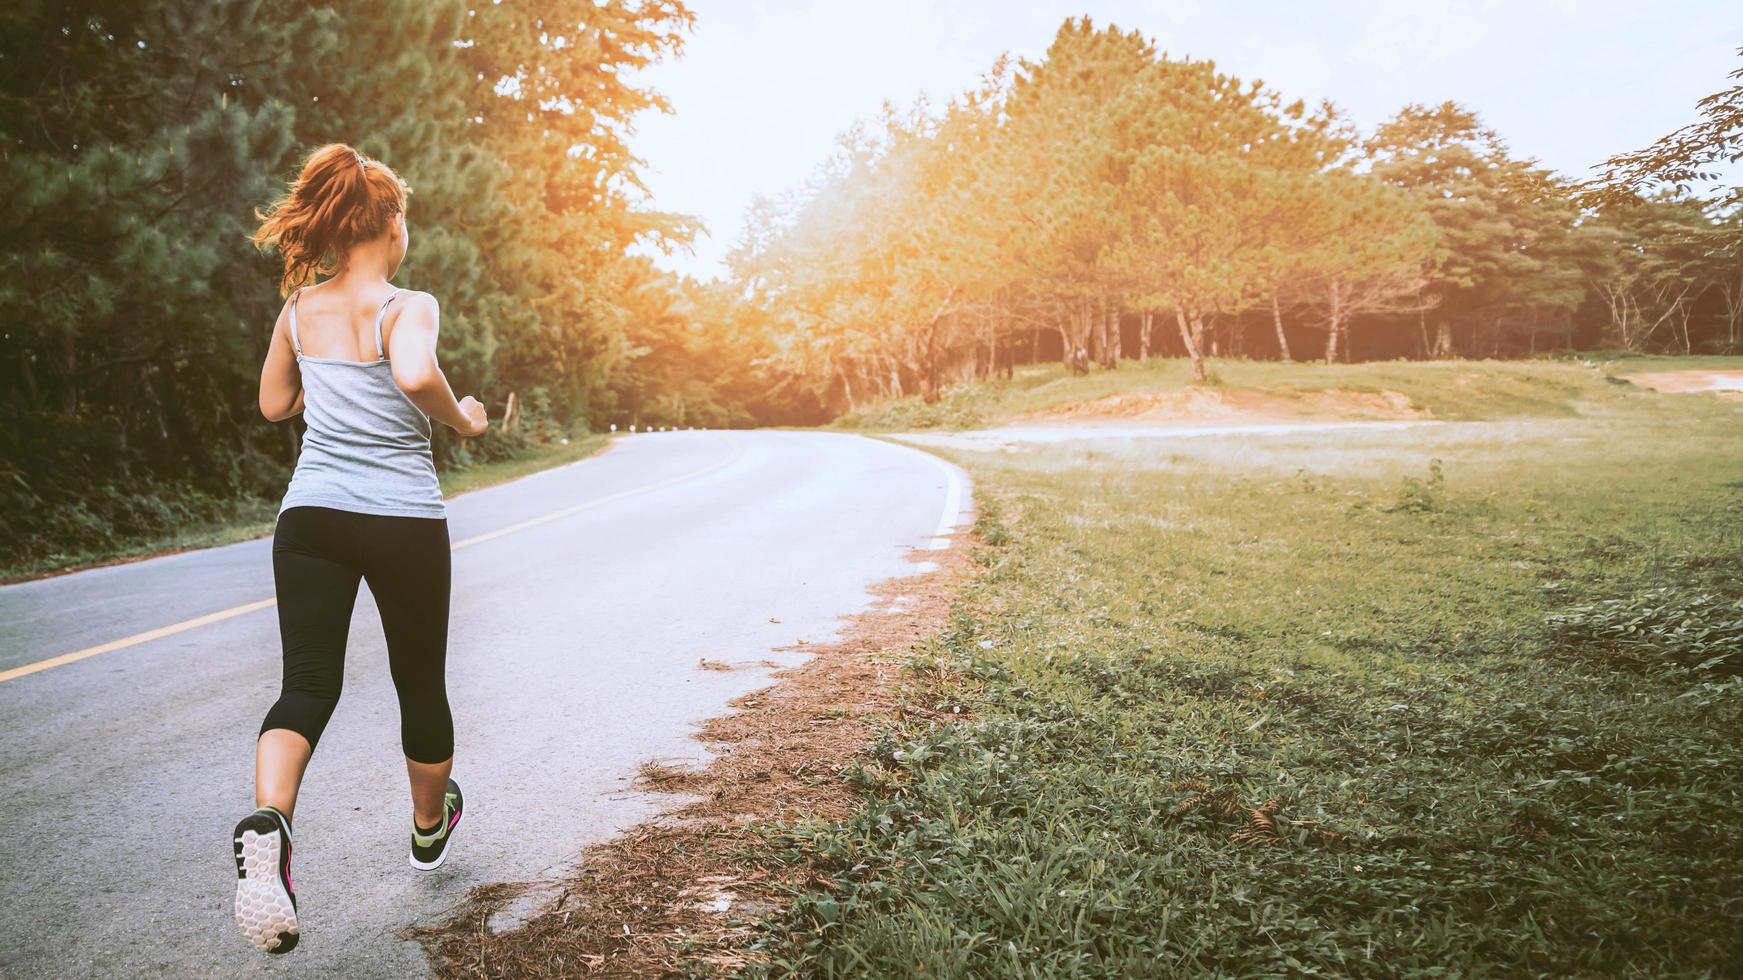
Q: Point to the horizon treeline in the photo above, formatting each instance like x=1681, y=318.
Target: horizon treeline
x=1111, y=201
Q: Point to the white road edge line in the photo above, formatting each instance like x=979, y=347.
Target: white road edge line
x=75, y=656
x=952, y=516
x=951, y=519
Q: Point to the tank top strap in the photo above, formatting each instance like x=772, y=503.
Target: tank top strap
x=295, y=343
x=380, y=353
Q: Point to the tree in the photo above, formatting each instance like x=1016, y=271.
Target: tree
x=1376, y=241
x=1657, y=259
x=1502, y=223
x=1049, y=170
x=1207, y=168
x=1681, y=160
x=142, y=137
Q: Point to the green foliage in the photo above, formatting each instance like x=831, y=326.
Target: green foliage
x=1653, y=261
x=1420, y=496
x=1682, y=161
x=1216, y=721
x=957, y=407
x=141, y=138
x=1664, y=625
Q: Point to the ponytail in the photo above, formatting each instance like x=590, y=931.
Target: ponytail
x=340, y=199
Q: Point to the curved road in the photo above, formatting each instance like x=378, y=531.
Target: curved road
x=584, y=597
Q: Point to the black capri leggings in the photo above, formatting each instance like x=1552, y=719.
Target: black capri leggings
x=318, y=555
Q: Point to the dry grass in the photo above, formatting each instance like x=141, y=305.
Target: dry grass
x=684, y=891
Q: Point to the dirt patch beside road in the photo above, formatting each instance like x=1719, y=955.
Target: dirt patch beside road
x=684, y=890
x=1728, y=384
x=1214, y=405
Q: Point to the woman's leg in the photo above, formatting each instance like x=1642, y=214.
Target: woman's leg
x=316, y=594
x=410, y=582
x=429, y=788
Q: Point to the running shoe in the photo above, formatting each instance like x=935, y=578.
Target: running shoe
x=430, y=848
x=266, y=907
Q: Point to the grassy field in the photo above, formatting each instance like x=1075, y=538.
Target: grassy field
x=1440, y=701
x=1447, y=389
x=255, y=518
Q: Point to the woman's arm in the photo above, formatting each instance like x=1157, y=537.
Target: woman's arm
x=281, y=382
x=412, y=350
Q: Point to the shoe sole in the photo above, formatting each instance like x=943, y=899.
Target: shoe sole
x=265, y=911
x=433, y=865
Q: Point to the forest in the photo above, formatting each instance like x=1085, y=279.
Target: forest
x=1105, y=201
x=1111, y=201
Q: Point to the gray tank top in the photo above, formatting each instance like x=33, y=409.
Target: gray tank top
x=367, y=448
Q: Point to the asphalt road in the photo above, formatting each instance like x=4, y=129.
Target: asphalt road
x=583, y=599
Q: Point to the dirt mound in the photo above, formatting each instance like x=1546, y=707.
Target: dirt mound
x=1728, y=384
x=1241, y=405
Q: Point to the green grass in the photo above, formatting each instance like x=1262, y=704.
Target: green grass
x=1474, y=689
x=256, y=518
x=1447, y=389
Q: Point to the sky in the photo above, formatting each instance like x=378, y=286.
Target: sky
x=764, y=87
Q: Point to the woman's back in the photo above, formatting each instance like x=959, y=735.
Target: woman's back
x=339, y=324
x=367, y=447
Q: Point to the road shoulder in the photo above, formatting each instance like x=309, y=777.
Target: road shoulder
x=686, y=889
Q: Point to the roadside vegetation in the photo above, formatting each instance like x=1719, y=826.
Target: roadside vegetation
x=1447, y=700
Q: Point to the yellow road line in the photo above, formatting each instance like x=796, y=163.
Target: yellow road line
x=135, y=639
x=223, y=614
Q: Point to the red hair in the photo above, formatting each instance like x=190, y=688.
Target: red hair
x=339, y=199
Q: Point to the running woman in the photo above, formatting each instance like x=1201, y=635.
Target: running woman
x=357, y=357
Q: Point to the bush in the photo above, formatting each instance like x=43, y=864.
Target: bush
x=960, y=406
x=1420, y=496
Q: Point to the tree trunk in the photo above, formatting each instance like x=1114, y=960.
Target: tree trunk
x=1334, y=326
x=1098, y=336
x=1144, y=336
x=1443, y=341
x=1076, y=338
x=1277, y=321
x=1111, y=350
x=1190, y=336
x=69, y=380
x=29, y=377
